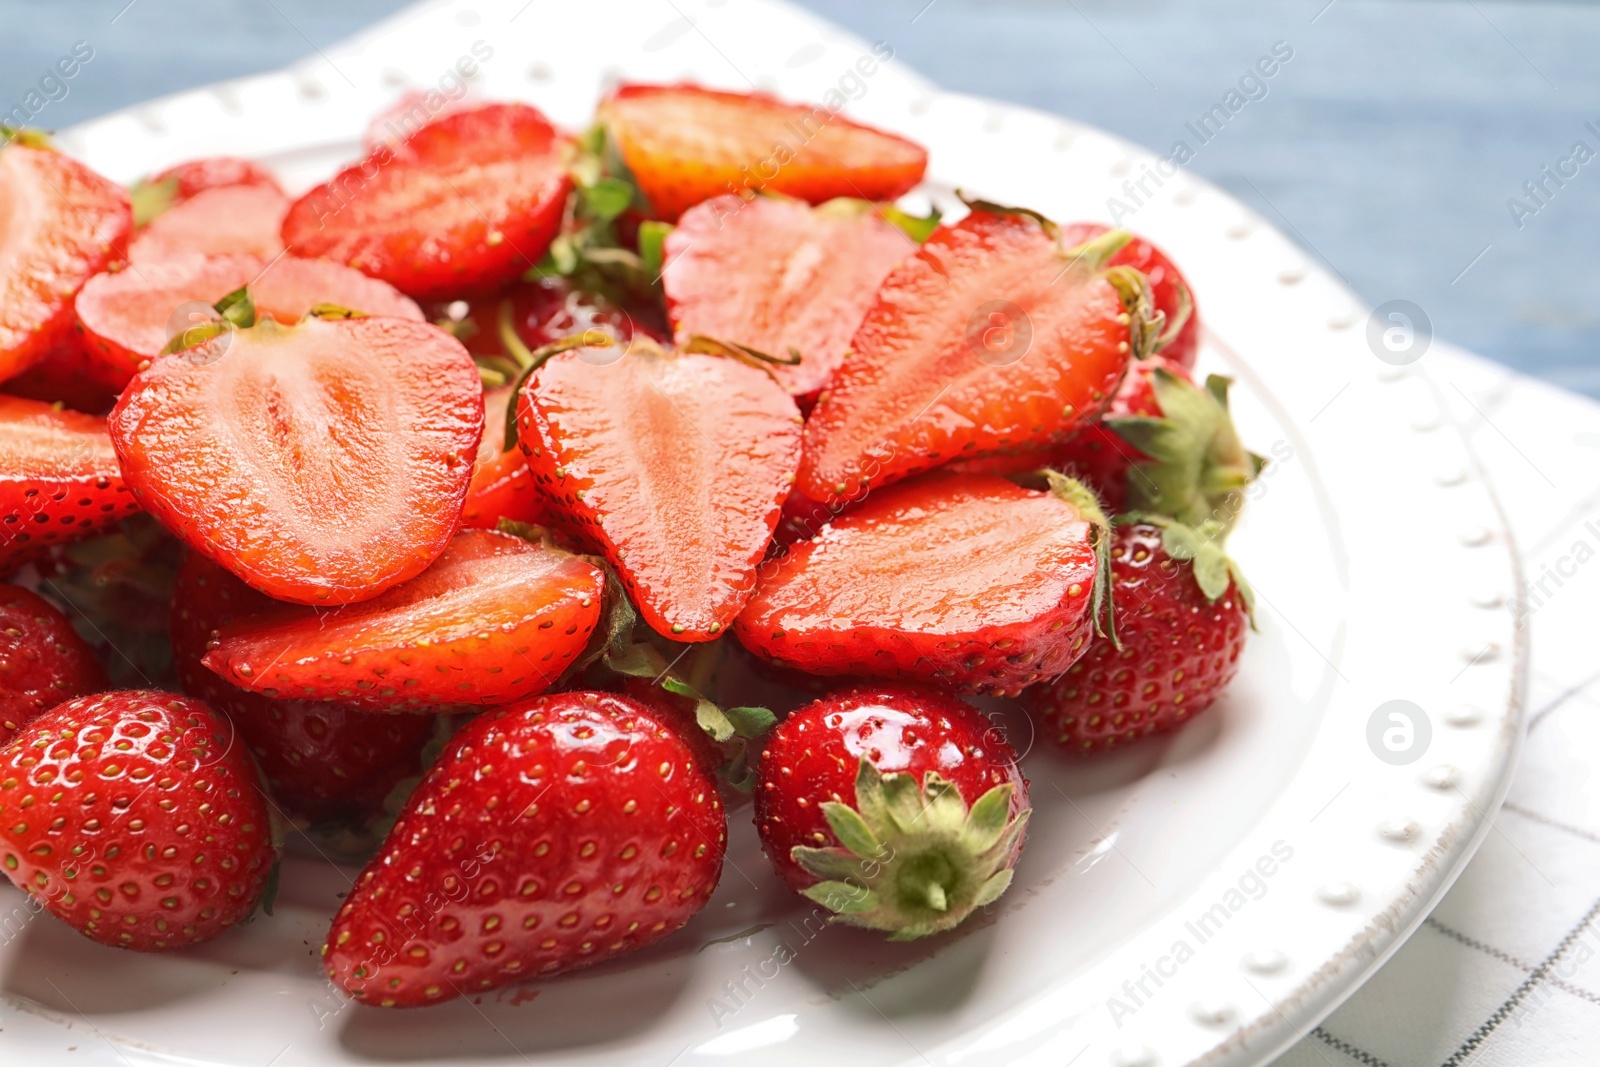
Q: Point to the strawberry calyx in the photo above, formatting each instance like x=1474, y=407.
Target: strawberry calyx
x=711, y=346
x=913, y=859
x=588, y=251
x=1082, y=498
x=1201, y=547
x=1197, y=466
x=26, y=136
x=152, y=198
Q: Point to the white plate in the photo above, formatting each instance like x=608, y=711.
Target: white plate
x=1203, y=899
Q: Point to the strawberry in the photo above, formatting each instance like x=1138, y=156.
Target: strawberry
x=971, y=582
x=43, y=661
x=129, y=317
x=1182, y=610
x=550, y=835
x=469, y=202
x=160, y=192
x=133, y=817
x=59, y=479
x=238, y=220
x=494, y=619
x=896, y=807
x=993, y=337
x=66, y=375
x=63, y=224
x=779, y=277
x=322, y=463
x=502, y=486
x=673, y=465
x=1169, y=290
x=683, y=144
x=546, y=310
x=321, y=761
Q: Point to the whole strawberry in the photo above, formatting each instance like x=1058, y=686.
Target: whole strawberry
x=1181, y=612
x=551, y=834
x=43, y=661
x=136, y=818
x=896, y=807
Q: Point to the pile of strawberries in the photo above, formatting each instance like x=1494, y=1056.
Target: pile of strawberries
x=428, y=512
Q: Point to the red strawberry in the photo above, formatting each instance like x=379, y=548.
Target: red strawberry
x=43, y=661
x=229, y=220
x=468, y=203
x=673, y=465
x=129, y=317
x=1181, y=613
x=321, y=761
x=547, y=310
x=779, y=277
x=66, y=375
x=502, y=486
x=994, y=337
x=322, y=463
x=552, y=834
x=972, y=582
x=1169, y=290
x=59, y=479
x=683, y=144
x=135, y=818
x=63, y=223
x=896, y=807
x=495, y=619
x=193, y=177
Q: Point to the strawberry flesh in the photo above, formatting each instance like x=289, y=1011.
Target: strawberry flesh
x=684, y=144
x=43, y=661
x=495, y=619
x=968, y=581
x=229, y=220
x=552, y=834
x=780, y=277
x=322, y=463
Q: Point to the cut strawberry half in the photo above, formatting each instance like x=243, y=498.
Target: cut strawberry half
x=469, y=202
x=495, y=619
x=321, y=463
x=968, y=581
x=780, y=277
x=673, y=465
x=1169, y=290
x=684, y=144
x=60, y=224
x=59, y=479
x=160, y=192
x=993, y=337
x=230, y=220
x=66, y=375
x=129, y=317
x=502, y=486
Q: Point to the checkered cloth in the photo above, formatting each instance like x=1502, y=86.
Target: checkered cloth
x=1507, y=970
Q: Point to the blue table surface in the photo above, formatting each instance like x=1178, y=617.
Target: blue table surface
x=1391, y=146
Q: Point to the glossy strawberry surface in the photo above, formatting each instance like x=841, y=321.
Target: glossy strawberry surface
x=43, y=661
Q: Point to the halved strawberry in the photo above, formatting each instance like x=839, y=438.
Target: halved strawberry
x=230, y=220
x=502, y=486
x=321, y=761
x=160, y=192
x=466, y=204
x=1169, y=290
x=127, y=318
x=673, y=465
x=995, y=336
x=60, y=224
x=66, y=375
x=971, y=582
x=495, y=619
x=780, y=277
x=59, y=479
x=321, y=463
x=684, y=144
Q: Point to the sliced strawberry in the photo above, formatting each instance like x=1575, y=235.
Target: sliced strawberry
x=321, y=463
x=59, y=479
x=972, y=582
x=684, y=144
x=469, y=202
x=128, y=318
x=779, y=277
x=502, y=486
x=230, y=220
x=161, y=192
x=43, y=661
x=495, y=619
x=673, y=465
x=60, y=224
x=411, y=111
x=991, y=338
x=66, y=375
x=321, y=761
x=1169, y=290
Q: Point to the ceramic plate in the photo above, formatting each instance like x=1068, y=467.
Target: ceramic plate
x=1202, y=899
